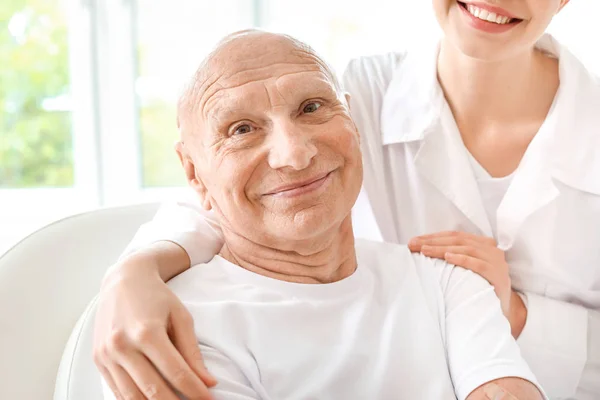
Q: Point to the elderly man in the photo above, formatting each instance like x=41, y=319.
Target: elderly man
x=293, y=307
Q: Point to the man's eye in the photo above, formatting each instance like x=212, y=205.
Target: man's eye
x=311, y=107
x=242, y=129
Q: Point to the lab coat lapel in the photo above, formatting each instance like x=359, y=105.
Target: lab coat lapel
x=532, y=188
x=415, y=110
x=565, y=149
x=443, y=160
x=576, y=143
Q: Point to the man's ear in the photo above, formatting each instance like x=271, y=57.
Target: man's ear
x=348, y=97
x=192, y=176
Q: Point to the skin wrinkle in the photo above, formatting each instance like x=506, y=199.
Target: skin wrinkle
x=187, y=106
x=207, y=104
x=203, y=103
x=269, y=95
x=232, y=195
x=217, y=114
x=265, y=69
x=285, y=261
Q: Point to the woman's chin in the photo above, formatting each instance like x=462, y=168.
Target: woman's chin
x=481, y=49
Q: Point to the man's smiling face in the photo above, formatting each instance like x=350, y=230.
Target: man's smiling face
x=269, y=140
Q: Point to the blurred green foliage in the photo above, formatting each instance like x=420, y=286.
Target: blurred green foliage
x=36, y=147
x=35, y=141
x=158, y=127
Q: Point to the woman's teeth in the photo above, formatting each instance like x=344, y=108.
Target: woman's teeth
x=487, y=16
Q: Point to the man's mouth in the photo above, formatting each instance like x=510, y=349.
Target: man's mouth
x=496, y=16
x=299, y=187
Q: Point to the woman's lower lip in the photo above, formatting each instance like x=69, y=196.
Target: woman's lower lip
x=304, y=189
x=486, y=26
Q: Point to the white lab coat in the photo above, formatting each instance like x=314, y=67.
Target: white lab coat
x=418, y=179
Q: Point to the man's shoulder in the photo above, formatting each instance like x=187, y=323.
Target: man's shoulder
x=410, y=274
x=398, y=256
x=433, y=274
x=377, y=250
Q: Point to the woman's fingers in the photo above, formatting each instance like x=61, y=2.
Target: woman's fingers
x=184, y=339
x=124, y=387
x=161, y=352
x=450, y=238
x=110, y=382
x=134, y=328
x=417, y=245
x=474, y=264
x=147, y=380
x=132, y=368
x=441, y=251
x=132, y=373
x=496, y=275
x=475, y=253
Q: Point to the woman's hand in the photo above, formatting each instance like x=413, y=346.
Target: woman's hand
x=482, y=256
x=144, y=337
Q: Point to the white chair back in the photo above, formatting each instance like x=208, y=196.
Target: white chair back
x=46, y=282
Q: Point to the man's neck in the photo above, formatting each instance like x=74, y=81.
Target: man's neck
x=484, y=95
x=330, y=257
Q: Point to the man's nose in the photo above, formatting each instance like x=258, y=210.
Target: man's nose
x=291, y=147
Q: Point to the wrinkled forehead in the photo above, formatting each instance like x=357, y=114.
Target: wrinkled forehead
x=241, y=76
x=243, y=67
x=276, y=86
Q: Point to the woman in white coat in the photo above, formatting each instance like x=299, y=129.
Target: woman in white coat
x=481, y=149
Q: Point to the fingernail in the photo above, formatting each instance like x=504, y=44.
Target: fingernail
x=210, y=376
x=413, y=242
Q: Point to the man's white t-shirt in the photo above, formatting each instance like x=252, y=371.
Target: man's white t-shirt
x=402, y=326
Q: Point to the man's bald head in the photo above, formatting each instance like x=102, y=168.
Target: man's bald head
x=244, y=51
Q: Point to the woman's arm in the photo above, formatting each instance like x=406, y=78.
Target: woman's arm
x=185, y=223
x=144, y=337
x=166, y=258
